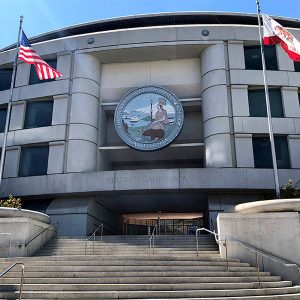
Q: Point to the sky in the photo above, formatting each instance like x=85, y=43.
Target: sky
x=41, y=16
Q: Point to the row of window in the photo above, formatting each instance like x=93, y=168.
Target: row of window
x=252, y=62
x=34, y=160
x=37, y=114
x=6, y=75
x=262, y=152
x=257, y=103
x=253, y=58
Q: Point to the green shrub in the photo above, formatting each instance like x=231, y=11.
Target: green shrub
x=290, y=190
x=11, y=202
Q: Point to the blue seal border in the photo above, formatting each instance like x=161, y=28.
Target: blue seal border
x=157, y=145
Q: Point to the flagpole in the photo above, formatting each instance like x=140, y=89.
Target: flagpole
x=271, y=135
x=8, y=114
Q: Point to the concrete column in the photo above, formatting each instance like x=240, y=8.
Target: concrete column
x=284, y=62
x=56, y=157
x=60, y=109
x=244, y=151
x=17, y=115
x=215, y=108
x=102, y=155
x=22, y=76
x=290, y=102
x=294, y=146
x=240, y=104
x=236, y=55
x=84, y=115
x=11, y=164
x=64, y=65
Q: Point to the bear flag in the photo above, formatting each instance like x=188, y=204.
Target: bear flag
x=274, y=33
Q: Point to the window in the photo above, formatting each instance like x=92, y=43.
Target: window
x=253, y=58
x=297, y=66
x=262, y=152
x=38, y=114
x=5, y=78
x=257, y=103
x=33, y=78
x=3, y=112
x=34, y=161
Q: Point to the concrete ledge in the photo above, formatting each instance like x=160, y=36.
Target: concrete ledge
x=18, y=227
x=282, y=205
x=275, y=233
x=246, y=179
x=6, y=212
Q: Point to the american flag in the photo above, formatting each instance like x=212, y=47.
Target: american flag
x=27, y=54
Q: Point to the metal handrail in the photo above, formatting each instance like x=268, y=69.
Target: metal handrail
x=151, y=239
x=7, y=243
x=55, y=223
x=93, y=235
x=221, y=240
x=22, y=276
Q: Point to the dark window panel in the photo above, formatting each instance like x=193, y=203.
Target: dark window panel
x=38, y=114
x=33, y=78
x=5, y=78
x=297, y=66
x=253, y=58
x=263, y=156
x=282, y=152
x=3, y=112
x=257, y=103
x=34, y=161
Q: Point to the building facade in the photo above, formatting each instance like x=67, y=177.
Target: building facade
x=64, y=156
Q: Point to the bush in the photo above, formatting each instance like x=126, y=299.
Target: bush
x=290, y=190
x=11, y=202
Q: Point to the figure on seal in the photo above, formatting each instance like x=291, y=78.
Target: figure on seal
x=157, y=127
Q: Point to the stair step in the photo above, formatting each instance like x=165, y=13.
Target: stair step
x=144, y=287
x=68, y=274
x=151, y=294
x=137, y=280
x=122, y=268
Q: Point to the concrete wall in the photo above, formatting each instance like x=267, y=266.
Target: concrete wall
x=180, y=76
x=22, y=230
x=275, y=233
x=81, y=216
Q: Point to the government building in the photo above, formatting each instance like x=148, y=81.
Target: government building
x=156, y=117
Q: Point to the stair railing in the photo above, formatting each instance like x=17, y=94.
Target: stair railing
x=151, y=239
x=7, y=243
x=93, y=236
x=22, y=276
x=55, y=225
x=221, y=240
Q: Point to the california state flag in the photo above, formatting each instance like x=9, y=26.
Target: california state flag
x=274, y=33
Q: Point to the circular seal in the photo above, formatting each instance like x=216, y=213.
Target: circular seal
x=149, y=118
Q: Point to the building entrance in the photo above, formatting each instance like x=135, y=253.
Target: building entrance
x=167, y=223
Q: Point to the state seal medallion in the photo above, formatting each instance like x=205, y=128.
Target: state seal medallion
x=149, y=118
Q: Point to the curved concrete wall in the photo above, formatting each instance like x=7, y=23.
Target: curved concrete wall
x=84, y=114
x=215, y=107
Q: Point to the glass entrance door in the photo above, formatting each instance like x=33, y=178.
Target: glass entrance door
x=167, y=224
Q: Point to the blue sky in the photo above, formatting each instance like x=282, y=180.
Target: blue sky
x=45, y=15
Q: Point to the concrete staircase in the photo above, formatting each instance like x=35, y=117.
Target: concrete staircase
x=122, y=268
